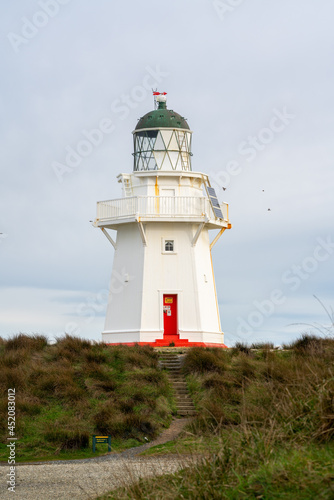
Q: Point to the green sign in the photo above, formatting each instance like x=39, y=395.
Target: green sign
x=101, y=439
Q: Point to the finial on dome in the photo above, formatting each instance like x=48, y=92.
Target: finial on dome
x=160, y=100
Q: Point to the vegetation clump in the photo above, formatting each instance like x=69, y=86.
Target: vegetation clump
x=291, y=392
x=264, y=425
x=68, y=391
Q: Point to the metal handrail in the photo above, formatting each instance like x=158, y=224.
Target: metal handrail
x=154, y=206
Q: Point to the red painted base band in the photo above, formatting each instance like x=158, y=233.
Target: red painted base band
x=179, y=343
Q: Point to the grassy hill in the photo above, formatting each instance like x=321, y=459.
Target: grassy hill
x=265, y=424
x=68, y=391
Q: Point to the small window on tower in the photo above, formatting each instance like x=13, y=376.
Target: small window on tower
x=169, y=245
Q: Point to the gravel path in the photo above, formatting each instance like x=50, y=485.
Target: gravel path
x=89, y=478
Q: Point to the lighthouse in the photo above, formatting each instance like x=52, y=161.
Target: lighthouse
x=167, y=221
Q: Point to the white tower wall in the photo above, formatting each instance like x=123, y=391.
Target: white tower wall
x=123, y=316
x=142, y=274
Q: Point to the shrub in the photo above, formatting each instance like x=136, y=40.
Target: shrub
x=215, y=381
x=162, y=407
x=14, y=357
x=324, y=431
x=126, y=404
x=148, y=375
x=140, y=356
x=71, y=348
x=138, y=425
x=14, y=377
x=105, y=385
x=240, y=347
x=96, y=355
x=244, y=367
x=308, y=344
x=68, y=440
x=29, y=343
x=262, y=345
x=215, y=413
x=199, y=359
x=109, y=420
x=98, y=372
x=28, y=405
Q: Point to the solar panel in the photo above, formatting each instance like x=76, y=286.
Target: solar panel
x=211, y=191
x=214, y=202
x=218, y=213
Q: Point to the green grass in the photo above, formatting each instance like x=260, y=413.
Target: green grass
x=69, y=391
x=265, y=426
x=46, y=453
x=186, y=445
x=242, y=472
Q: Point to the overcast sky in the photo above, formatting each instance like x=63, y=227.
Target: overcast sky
x=255, y=79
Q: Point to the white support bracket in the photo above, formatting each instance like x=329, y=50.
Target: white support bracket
x=105, y=232
x=142, y=233
x=217, y=237
x=198, y=232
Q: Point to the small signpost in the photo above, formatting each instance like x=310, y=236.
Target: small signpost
x=101, y=439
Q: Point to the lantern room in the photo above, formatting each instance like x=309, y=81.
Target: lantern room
x=162, y=140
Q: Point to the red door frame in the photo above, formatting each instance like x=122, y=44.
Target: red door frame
x=170, y=315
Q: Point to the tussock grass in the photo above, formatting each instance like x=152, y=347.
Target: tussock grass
x=262, y=345
x=265, y=426
x=25, y=342
x=294, y=391
x=242, y=470
x=204, y=360
x=68, y=391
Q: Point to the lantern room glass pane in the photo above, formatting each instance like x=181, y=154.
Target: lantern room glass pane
x=166, y=134
x=145, y=140
x=173, y=145
x=173, y=155
x=152, y=165
x=189, y=141
x=159, y=157
x=166, y=165
x=178, y=165
x=146, y=146
x=159, y=144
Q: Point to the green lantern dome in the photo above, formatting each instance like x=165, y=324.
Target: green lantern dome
x=162, y=118
x=162, y=140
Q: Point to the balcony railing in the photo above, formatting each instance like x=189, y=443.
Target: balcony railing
x=156, y=206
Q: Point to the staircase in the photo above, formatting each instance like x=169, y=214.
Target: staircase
x=172, y=363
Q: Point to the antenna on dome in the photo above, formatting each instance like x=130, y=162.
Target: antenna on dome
x=159, y=97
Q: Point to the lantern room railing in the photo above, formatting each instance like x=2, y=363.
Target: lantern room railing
x=156, y=206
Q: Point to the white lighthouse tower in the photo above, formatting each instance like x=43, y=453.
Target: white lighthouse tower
x=162, y=288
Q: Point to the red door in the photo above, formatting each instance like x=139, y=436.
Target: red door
x=170, y=318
